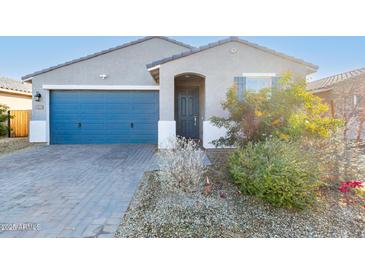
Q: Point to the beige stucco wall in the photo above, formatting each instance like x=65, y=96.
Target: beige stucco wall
x=126, y=66
x=219, y=67
x=16, y=101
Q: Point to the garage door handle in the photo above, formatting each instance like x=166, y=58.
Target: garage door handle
x=78, y=125
x=132, y=125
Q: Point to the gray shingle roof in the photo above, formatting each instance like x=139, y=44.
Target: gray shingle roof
x=328, y=82
x=25, y=77
x=224, y=41
x=15, y=85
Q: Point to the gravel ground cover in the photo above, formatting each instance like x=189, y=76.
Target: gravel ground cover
x=219, y=210
x=8, y=145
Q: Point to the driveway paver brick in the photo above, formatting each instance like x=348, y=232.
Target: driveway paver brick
x=71, y=190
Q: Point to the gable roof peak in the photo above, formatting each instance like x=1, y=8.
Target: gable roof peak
x=227, y=40
x=29, y=76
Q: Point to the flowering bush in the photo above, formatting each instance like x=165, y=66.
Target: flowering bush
x=181, y=168
x=346, y=186
x=287, y=112
x=352, y=186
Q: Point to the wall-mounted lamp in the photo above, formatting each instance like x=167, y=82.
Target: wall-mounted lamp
x=103, y=76
x=37, y=97
x=234, y=50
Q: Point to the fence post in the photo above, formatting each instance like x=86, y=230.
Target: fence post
x=9, y=129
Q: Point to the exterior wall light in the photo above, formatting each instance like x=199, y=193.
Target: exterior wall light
x=234, y=50
x=37, y=97
x=103, y=76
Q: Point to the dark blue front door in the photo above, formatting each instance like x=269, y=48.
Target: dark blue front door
x=104, y=117
x=187, y=124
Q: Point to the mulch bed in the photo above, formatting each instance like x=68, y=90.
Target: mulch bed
x=220, y=210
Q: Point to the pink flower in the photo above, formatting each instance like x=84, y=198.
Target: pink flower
x=344, y=186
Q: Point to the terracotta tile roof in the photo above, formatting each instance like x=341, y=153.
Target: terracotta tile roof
x=330, y=81
x=15, y=85
x=224, y=41
x=25, y=77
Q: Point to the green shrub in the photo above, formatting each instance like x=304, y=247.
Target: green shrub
x=3, y=119
x=276, y=171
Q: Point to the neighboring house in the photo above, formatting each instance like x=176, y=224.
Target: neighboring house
x=15, y=94
x=149, y=91
x=345, y=95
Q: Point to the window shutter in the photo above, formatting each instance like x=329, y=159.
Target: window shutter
x=275, y=82
x=240, y=83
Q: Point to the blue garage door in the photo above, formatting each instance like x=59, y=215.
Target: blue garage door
x=104, y=117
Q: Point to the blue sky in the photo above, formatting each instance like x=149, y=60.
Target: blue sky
x=24, y=55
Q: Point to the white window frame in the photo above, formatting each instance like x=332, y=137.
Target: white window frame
x=264, y=75
x=354, y=100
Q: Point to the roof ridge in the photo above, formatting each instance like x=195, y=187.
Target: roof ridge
x=226, y=40
x=95, y=54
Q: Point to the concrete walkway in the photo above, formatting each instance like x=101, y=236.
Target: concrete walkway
x=69, y=190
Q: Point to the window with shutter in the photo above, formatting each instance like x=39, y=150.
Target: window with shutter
x=240, y=83
x=254, y=82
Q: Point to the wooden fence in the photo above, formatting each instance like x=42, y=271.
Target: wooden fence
x=19, y=123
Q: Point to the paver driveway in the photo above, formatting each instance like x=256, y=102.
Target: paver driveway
x=70, y=190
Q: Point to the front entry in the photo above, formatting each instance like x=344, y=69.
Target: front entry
x=187, y=113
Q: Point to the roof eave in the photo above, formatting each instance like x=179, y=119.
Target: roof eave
x=320, y=90
x=17, y=92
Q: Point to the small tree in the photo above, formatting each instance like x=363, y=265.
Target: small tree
x=287, y=112
x=3, y=119
x=349, y=105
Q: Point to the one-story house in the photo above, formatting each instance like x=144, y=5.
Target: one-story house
x=15, y=94
x=345, y=95
x=149, y=91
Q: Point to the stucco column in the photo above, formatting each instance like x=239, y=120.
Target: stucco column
x=215, y=92
x=166, y=124
x=38, y=127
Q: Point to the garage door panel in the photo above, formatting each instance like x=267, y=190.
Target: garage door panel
x=145, y=108
x=92, y=108
x=70, y=125
x=117, y=124
x=92, y=126
x=65, y=108
x=66, y=117
x=119, y=108
x=67, y=97
x=144, y=126
x=105, y=117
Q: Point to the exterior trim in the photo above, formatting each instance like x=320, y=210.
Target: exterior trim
x=99, y=87
x=153, y=68
x=253, y=74
x=27, y=94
